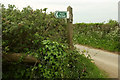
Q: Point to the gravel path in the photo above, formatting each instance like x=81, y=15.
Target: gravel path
x=106, y=61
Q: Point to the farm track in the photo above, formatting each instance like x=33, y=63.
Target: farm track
x=106, y=61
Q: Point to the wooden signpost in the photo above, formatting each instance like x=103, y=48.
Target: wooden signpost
x=63, y=14
x=70, y=27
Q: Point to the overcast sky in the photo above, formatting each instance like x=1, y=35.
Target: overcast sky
x=88, y=11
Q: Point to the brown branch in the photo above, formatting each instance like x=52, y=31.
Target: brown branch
x=14, y=57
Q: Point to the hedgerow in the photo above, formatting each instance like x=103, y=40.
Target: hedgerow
x=99, y=35
x=41, y=35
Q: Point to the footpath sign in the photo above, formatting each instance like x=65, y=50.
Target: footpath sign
x=61, y=14
x=69, y=16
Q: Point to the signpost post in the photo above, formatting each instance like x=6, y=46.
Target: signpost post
x=70, y=27
x=67, y=14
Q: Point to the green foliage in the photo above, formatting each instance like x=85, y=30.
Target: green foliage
x=42, y=36
x=104, y=36
x=56, y=61
x=51, y=55
x=21, y=29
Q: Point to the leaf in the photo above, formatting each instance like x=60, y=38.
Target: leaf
x=39, y=65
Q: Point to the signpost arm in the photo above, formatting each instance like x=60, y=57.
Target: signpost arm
x=69, y=27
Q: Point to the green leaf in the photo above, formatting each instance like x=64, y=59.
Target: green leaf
x=39, y=65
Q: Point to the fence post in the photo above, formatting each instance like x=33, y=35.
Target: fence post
x=70, y=27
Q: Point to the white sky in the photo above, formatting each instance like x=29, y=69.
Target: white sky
x=83, y=10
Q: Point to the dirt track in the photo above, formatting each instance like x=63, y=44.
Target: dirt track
x=106, y=61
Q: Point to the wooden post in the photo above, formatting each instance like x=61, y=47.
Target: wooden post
x=69, y=27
